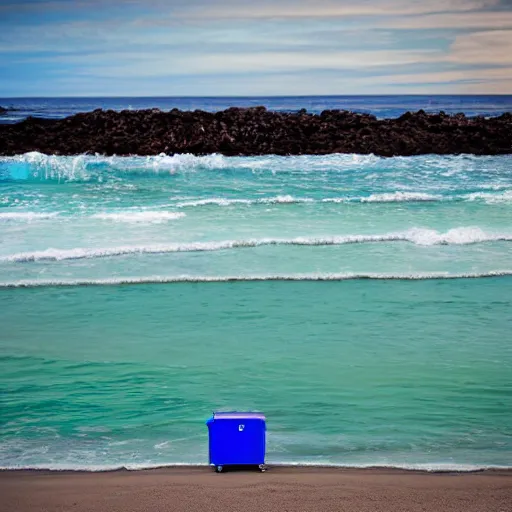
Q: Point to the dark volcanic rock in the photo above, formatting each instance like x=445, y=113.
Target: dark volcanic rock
x=257, y=131
x=3, y=111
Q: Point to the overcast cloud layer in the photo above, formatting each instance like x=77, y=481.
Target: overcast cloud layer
x=242, y=48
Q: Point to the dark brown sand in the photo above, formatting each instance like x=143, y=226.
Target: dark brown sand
x=280, y=489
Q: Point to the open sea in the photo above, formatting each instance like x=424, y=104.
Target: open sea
x=364, y=304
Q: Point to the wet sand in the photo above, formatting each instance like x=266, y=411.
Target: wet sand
x=279, y=489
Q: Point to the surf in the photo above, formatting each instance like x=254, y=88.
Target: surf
x=315, y=277
x=417, y=236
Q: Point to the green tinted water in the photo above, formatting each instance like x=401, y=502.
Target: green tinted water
x=352, y=373
x=411, y=371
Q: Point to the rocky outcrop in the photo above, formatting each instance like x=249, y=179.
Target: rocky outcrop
x=3, y=111
x=257, y=131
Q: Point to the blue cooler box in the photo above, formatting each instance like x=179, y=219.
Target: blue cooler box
x=236, y=439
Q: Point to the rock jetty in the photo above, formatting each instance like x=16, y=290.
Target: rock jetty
x=258, y=131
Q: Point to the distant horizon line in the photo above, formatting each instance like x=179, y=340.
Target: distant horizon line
x=259, y=96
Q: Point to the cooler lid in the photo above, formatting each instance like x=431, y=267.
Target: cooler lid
x=234, y=415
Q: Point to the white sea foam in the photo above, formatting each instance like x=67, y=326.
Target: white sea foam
x=390, y=197
x=417, y=236
x=222, y=201
x=99, y=468
x=455, y=236
x=35, y=165
x=490, y=198
x=217, y=201
x=26, y=216
x=187, y=161
x=76, y=167
x=287, y=199
x=386, y=197
x=84, y=167
x=154, y=217
x=400, y=197
x=95, y=468
x=440, y=467
x=53, y=166
x=114, y=281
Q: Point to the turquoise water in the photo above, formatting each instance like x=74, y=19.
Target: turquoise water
x=363, y=304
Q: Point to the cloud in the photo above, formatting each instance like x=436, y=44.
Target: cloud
x=248, y=47
x=448, y=76
x=328, y=9
x=491, y=47
x=168, y=12
x=466, y=81
x=262, y=8
x=155, y=65
x=462, y=21
x=493, y=80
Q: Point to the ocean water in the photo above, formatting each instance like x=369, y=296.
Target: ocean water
x=380, y=106
x=362, y=303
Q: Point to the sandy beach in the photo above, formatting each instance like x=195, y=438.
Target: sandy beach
x=279, y=489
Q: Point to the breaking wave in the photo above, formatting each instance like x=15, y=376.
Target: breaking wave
x=101, y=468
x=154, y=217
x=418, y=276
x=26, y=216
x=417, y=236
x=148, y=217
x=400, y=197
x=221, y=201
x=490, y=198
x=387, y=197
x=391, y=197
x=35, y=165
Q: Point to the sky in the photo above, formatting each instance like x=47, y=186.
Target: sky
x=254, y=47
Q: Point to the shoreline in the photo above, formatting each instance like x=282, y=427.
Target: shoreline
x=282, y=488
x=258, y=131
x=205, y=469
